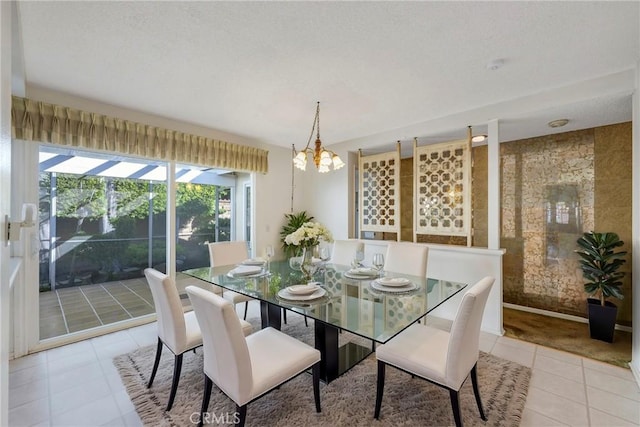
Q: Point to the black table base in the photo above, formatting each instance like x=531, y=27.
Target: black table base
x=335, y=360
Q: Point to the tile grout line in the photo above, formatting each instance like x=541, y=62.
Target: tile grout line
x=586, y=394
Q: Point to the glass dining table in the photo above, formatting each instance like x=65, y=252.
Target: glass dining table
x=346, y=300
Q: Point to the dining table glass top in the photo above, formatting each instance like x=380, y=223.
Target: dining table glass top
x=353, y=300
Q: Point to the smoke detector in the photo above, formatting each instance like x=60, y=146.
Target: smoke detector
x=558, y=123
x=495, y=64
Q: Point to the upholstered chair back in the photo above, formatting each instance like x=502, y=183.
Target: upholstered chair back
x=344, y=251
x=406, y=258
x=171, y=325
x=226, y=355
x=226, y=253
x=464, y=338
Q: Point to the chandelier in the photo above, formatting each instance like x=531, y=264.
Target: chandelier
x=322, y=157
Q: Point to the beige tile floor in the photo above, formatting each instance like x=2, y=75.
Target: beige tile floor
x=77, y=385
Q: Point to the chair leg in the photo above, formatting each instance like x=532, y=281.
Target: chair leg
x=316, y=385
x=305, y=322
x=246, y=308
x=284, y=315
x=380, y=390
x=455, y=405
x=205, y=398
x=177, y=367
x=476, y=391
x=156, y=363
x=242, y=415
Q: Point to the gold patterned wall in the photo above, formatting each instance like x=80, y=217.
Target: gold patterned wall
x=613, y=196
x=406, y=199
x=553, y=188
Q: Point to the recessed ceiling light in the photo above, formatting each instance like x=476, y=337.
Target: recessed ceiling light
x=478, y=138
x=558, y=123
x=495, y=64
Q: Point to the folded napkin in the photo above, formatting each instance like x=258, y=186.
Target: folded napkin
x=245, y=270
x=363, y=271
x=253, y=261
x=303, y=289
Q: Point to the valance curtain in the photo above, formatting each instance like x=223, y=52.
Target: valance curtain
x=42, y=122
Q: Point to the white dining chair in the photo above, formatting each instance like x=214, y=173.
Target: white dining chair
x=178, y=330
x=406, y=258
x=344, y=251
x=246, y=368
x=228, y=253
x=440, y=357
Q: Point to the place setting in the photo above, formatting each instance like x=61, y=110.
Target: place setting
x=247, y=271
x=254, y=261
x=302, y=293
x=360, y=272
x=393, y=285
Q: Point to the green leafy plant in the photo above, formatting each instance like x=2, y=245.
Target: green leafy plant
x=600, y=263
x=294, y=221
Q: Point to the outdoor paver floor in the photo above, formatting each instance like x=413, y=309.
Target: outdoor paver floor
x=73, y=309
x=67, y=310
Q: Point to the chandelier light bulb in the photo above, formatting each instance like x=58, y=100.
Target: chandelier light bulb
x=300, y=160
x=325, y=158
x=337, y=162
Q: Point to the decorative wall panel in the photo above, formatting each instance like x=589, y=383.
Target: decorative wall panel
x=380, y=192
x=442, y=196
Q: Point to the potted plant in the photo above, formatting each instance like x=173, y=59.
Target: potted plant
x=294, y=222
x=600, y=263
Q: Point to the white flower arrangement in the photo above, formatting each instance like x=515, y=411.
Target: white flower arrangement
x=308, y=235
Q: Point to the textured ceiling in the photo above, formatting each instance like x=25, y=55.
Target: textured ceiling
x=383, y=71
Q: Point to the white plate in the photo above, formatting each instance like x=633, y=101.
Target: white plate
x=253, y=261
x=393, y=281
x=302, y=289
x=284, y=294
x=410, y=287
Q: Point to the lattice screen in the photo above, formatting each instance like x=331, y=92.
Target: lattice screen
x=380, y=192
x=442, y=196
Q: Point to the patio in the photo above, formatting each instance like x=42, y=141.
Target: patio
x=77, y=308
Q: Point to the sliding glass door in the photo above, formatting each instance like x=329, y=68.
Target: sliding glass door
x=103, y=220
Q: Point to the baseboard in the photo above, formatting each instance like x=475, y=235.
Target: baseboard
x=636, y=372
x=558, y=315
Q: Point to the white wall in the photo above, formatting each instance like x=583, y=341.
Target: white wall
x=5, y=202
x=272, y=200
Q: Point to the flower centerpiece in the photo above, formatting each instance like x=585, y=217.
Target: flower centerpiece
x=308, y=236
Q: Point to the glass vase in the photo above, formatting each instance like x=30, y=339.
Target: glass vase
x=307, y=266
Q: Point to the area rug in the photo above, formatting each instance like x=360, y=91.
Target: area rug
x=347, y=401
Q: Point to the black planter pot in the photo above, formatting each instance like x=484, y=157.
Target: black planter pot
x=602, y=319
